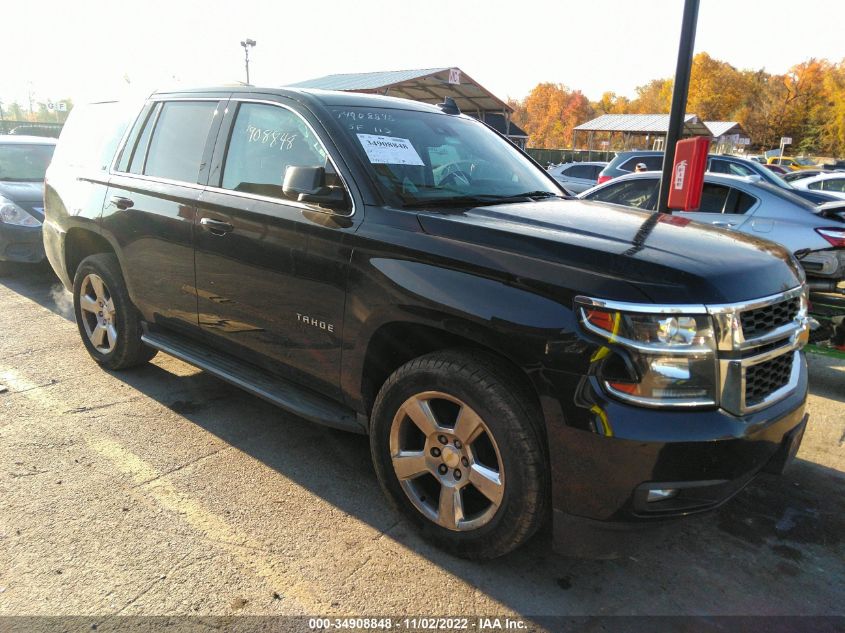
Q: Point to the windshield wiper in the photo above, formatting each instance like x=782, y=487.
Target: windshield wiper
x=478, y=200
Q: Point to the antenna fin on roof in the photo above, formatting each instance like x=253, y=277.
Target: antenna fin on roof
x=449, y=106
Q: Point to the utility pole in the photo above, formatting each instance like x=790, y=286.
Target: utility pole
x=679, y=99
x=247, y=44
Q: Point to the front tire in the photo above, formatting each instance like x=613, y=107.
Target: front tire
x=457, y=445
x=108, y=322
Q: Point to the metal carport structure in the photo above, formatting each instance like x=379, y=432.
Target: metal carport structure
x=429, y=85
x=634, y=127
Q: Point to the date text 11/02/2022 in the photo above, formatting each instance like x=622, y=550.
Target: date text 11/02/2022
x=419, y=623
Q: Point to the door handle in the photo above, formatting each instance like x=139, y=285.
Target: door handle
x=217, y=227
x=122, y=203
x=727, y=225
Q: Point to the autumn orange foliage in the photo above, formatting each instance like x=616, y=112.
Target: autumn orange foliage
x=807, y=103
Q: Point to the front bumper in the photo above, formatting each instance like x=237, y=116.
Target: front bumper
x=21, y=244
x=602, y=472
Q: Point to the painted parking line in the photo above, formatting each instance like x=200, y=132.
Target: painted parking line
x=152, y=484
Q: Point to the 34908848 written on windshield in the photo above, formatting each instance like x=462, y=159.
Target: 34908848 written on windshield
x=420, y=156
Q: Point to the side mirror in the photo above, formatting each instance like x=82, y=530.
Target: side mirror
x=308, y=184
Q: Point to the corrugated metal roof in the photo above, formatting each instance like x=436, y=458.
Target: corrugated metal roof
x=642, y=124
x=720, y=128
x=366, y=81
x=429, y=85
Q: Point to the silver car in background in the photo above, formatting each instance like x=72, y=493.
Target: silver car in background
x=750, y=205
x=832, y=183
x=577, y=177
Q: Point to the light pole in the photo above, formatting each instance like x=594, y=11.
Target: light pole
x=247, y=44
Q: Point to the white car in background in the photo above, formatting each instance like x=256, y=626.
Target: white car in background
x=577, y=177
x=832, y=183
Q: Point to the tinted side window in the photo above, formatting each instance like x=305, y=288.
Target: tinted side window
x=739, y=202
x=718, y=166
x=265, y=141
x=652, y=163
x=816, y=185
x=595, y=170
x=713, y=198
x=633, y=193
x=179, y=140
x=578, y=171
x=629, y=165
x=139, y=155
x=835, y=184
x=90, y=137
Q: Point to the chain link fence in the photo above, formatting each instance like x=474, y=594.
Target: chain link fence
x=557, y=156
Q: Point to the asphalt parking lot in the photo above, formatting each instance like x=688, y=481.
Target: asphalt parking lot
x=162, y=491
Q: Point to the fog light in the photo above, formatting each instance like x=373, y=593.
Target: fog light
x=661, y=494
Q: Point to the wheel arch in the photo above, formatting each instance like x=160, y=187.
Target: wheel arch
x=81, y=243
x=395, y=342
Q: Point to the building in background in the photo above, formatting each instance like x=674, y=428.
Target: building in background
x=430, y=85
x=648, y=131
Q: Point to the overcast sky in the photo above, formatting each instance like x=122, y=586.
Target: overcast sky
x=86, y=49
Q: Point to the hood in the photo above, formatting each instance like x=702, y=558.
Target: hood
x=667, y=259
x=28, y=195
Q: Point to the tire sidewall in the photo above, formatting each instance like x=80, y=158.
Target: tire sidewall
x=105, y=266
x=500, y=420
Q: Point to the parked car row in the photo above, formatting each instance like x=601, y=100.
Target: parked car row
x=749, y=205
x=626, y=162
x=23, y=163
x=577, y=177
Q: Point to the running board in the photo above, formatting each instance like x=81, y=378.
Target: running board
x=284, y=394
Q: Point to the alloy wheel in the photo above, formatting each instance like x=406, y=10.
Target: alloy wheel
x=98, y=313
x=447, y=461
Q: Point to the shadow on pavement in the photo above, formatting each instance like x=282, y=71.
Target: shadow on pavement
x=777, y=548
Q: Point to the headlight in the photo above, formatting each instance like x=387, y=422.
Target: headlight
x=10, y=213
x=653, y=359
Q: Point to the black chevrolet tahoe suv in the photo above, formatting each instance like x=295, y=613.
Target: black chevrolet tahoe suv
x=401, y=270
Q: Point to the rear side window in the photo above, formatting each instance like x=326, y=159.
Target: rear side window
x=835, y=184
x=652, y=163
x=179, y=139
x=632, y=193
x=727, y=167
x=90, y=137
x=721, y=199
x=579, y=171
x=265, y=141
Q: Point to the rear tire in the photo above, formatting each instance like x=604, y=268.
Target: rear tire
x=461, y=424
x=109, y=324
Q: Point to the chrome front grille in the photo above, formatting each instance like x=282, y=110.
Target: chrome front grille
x=763, y=320
x=758, y=346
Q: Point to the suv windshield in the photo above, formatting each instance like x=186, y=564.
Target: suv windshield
x=24, y=162
x=426, y=158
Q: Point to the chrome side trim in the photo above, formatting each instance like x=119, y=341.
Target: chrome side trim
x=683, y=403
x=649, y=308
x=654, y=348
x=755, y=303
